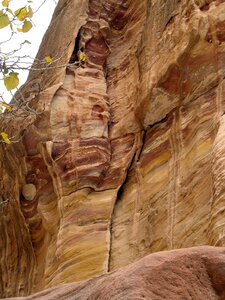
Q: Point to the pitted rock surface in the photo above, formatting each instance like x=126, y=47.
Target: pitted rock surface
x=196, y=273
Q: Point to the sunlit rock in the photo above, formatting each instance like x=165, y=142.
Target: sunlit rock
x=29, y=191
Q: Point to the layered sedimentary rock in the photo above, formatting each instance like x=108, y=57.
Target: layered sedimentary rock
x=196, y=273
x=172, y=195
x=124, y=157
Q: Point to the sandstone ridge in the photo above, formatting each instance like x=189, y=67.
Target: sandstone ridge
x=196, y=274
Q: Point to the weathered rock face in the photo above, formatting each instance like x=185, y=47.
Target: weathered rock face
x=196, y=273
x=126, y=156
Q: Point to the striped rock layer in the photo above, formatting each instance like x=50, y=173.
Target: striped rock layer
x=126, y=155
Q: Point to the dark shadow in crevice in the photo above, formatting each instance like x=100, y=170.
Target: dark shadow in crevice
x=163, y=120
x=74, y=56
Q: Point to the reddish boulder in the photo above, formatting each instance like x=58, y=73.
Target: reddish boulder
x=191, y=273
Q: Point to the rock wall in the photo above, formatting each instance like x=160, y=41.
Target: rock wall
x=125, y=156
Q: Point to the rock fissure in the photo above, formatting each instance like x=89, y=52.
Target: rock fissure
x=127, y=157
x=138, y=144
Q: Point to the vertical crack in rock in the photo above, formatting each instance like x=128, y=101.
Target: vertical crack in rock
x=122, y=90
x=138, y=145
x=74, y=56
x=89, y=157
x=101, y=196
x=76, y=156
x=179, y=177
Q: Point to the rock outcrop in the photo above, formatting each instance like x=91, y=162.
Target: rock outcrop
x=124, y=157
x=196, y=274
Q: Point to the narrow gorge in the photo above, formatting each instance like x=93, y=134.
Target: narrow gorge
x=124, y=157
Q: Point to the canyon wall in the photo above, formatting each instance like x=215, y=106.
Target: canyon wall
x=124, y=157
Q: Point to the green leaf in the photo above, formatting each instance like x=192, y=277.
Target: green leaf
x=11, y=81
x=10, y=11
x=30, y=12
x=27, y=25
x=21, y=13
x=6, y=105
x=4, y=21
x=5, y=3
x=5, y=137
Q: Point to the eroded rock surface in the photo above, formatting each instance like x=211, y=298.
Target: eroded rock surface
x=127, y=154
x=196, y=273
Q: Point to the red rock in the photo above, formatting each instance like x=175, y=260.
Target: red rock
x=196, y=274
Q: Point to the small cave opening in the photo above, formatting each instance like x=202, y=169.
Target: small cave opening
x=205, y=7
x=74, y=56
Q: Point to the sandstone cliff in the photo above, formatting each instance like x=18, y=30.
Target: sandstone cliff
x=126, y=157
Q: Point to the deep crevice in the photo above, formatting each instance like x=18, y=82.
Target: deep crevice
x=135, y=159
x=118, y=199
x=163, y=120
x=74, y=56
